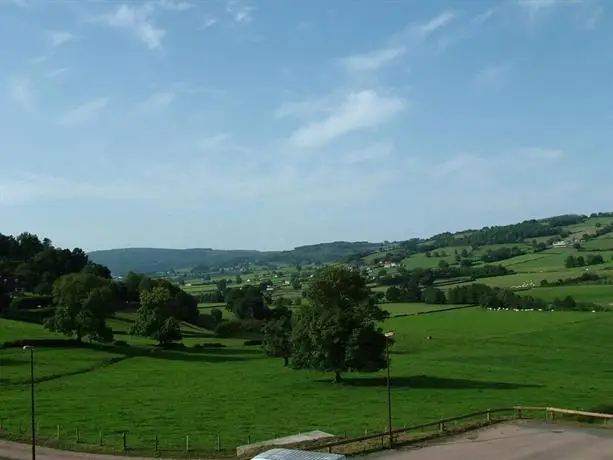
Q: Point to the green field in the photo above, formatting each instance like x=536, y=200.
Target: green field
x=475, y=360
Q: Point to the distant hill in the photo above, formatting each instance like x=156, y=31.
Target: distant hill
x=151, y=260
x=539, y=233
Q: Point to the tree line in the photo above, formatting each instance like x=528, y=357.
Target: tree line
x=580, y=261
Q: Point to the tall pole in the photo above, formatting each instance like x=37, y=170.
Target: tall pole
x=389, y=393
x=32, y=401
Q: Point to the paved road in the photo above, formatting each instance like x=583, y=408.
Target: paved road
x=514, y=441
x=517, y=441
x=16, y=451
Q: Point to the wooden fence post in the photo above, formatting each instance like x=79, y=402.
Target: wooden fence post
x=441, y=427
x=76, y=432
x=100, y=438
x=488, y=415
x=156, y=444
x=187, y=443
x=553, y=416
x=124, y=441
x=218, y=442
x=519, y=414
x=248, y=439
x=58, y=432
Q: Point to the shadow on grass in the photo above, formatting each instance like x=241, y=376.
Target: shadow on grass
x=433, y=383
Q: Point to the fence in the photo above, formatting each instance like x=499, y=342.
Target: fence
x=214, y=446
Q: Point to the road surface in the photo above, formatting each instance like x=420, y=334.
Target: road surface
x=512, y=441
x=515, y=441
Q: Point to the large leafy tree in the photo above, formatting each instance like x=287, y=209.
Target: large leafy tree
x=82, y=302
x=155, y=318
x=247, y=302
x=277, y=333
x=337, y=330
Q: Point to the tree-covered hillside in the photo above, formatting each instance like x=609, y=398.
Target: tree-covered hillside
x=152, y=260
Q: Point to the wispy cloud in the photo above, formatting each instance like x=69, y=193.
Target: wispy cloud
x=304, y=109
x=157, y=101
x=59, y=37
x=20, y=91
x=358, y=111
x=208, y=21
x=535, y=7
x=239, y=11
x=494, y=75
x=372, y=152
x=541, y=153
x=138, y=21
x=174, y=5
x=423, y=31
x=372, y=60
x=55, y=73
x=83, y=113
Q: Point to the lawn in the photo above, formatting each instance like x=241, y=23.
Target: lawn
x=596, y=293
x=475, y=360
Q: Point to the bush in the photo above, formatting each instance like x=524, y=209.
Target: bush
x=239, y=328
x=31, y=302
x=209, y=345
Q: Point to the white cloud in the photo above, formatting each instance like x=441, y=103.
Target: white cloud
x=372, y=152
x=534, y=7
x=83, y=113
x=214, y=141
x=55, y=73
x=423, y=31
x=540, y=153
x=208, y=22
x=494, y=75
x=358, y=111
x=157, y=101
x=20, y=91
x=304, y=109
x=59, y=37
x=372, y=60
x=138, y=21
x=175, y=5
x=240, y=12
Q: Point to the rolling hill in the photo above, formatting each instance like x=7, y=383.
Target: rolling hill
x=528, y=236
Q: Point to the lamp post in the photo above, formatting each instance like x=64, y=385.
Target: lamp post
x=388, y=336
x=33, y=412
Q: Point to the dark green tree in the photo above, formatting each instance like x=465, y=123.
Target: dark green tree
x=154, y=318
x=277, y=333
x=337, y=331
x=82, y=302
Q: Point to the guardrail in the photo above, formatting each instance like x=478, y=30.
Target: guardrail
x=377, y=441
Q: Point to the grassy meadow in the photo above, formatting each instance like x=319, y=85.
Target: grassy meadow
x=475, y=360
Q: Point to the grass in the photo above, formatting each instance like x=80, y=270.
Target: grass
x=475, y=360
x=597, y=293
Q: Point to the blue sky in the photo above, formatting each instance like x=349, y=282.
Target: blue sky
x=275, y=123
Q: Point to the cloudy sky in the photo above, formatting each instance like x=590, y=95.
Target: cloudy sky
x=275, y=123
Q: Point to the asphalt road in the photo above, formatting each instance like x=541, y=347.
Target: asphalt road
x=513, y=441
x=516, y=441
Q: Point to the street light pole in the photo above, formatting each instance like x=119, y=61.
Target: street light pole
x=388, y=336
x=32, y=401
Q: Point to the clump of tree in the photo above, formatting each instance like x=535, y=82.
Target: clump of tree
x=337, y=330
x=155, y=317
x=495, y=297
x=277, y=332
x=584, y=278
x=580, y=261
x=83, y=302
x=496, y=255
